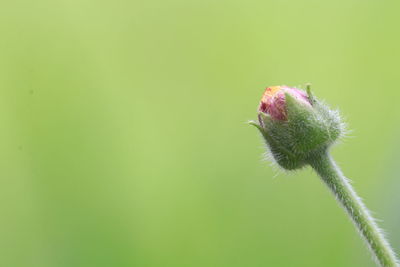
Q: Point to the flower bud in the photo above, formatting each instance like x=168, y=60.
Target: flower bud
x=295, y=125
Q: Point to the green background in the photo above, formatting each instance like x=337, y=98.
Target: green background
x=124, y=139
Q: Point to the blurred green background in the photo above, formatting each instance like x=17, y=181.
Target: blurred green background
x=124, y=139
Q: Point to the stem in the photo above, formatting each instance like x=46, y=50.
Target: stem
x=330, y=173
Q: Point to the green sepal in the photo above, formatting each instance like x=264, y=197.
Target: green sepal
x=273, y=133
x=310, y=94
x=258, y=126
x=308, y=127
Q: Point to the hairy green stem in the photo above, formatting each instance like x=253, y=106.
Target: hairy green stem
x=330, y=173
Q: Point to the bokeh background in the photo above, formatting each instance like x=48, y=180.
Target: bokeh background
x=124, y=139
